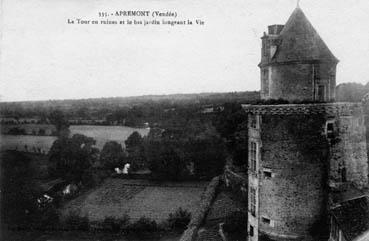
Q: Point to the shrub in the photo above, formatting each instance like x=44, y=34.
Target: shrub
x=143, y=225
x=179, y=219
x=115, y=224
x=75, y=222
x=236, y=222
x=47, y=219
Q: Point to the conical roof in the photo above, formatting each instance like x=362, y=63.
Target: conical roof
x=299, y=41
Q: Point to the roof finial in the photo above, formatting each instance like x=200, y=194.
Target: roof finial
x=298, y=4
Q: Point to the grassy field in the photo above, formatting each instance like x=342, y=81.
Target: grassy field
x=136, y=198
x=101, y=134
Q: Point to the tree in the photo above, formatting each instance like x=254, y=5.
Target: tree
x=165, y=161
x=207, y=151
x=58, y=119
x=112, y=155
x=171, y=152
x=232, y=125
x=136, y=152
x=19, y=192
x=70, y=158
x=134, y=141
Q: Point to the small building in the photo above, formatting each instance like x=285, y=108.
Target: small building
x=350, y=220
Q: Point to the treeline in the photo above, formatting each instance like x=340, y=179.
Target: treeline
x=129, y=111
x=351, y=92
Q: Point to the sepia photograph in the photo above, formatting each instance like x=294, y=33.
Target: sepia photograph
x=172, y=120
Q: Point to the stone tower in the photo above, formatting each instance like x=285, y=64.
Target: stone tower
x=296, y=64
x=299, y=154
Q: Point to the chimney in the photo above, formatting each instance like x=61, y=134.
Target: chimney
x=275, y=29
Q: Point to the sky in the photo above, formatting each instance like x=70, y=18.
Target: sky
x=42, y=57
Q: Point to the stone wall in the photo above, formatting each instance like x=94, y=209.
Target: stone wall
x=294, y=197
x=304, y=148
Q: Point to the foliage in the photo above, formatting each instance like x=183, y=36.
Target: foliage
x=144, y=225
x=47, y=218
x=41, y=132
x=16, y=131
x=236, y=222
x=69, y=158
x=232, y=125
x=179, y=219
x=113, y=224
x=19, y=192
x=59, y=120
x=207, y=151
x=351, y=92
x=172, y=152
x=136, y=152
x=112, y=155
x=165, y=161
x=75, y=222
x=133, y=141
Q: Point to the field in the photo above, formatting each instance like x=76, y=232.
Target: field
x=101, y=134
x=136, y=198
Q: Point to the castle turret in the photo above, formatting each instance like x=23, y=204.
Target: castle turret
x=302, y=157
x=296, y=64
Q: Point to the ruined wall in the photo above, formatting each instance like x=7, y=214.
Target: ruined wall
x=302, y=151
x=365, y=103
x=294, y=197
x=348, y=151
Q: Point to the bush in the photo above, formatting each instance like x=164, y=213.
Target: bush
x=47, y=219
x=144, y=225
x=235, y=223
x=75, y=222
x=179, y=219
x=17, y=131
x=115, y=224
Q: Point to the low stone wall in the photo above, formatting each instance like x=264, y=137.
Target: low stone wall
x=198, y=217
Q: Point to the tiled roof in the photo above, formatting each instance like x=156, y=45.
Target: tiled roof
x=299, y=41
x=353, y=217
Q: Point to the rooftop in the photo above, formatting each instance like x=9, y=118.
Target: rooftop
x=299, y=41
x=352, y=217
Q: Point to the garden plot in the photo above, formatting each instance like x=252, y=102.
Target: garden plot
x=136, y=198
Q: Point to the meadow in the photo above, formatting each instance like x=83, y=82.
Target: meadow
x=101, y=134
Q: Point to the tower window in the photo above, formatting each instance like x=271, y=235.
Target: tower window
x=267, y=174
x=329, y=129
x=253, y=156
x=316, y=71
x=251, y=231
x=265, y=81
x=265, y=220
x=264, y=48
x=254, y=121
x=253, y=201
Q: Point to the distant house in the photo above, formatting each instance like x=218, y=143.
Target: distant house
x=350, y=220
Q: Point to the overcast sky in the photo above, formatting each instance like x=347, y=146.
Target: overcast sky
x=42, y=57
